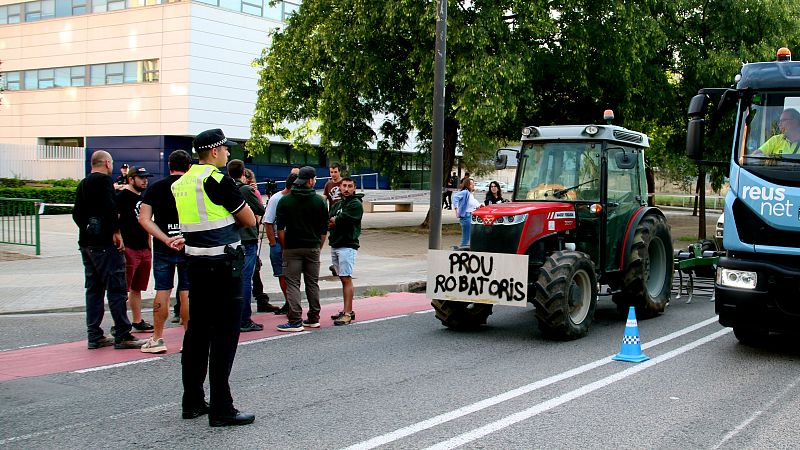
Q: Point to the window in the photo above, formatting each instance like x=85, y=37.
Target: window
x=275, y=11
x=48, y=9
x=3, y=15
x=133, y=72
x=150, y=74
x=289, y=9
x=233, y=5
x=297, y=157
x=31, y=79
x=277, y=154
x=62, y=141
x=210, y=2
x=62, y=77
x=33, y=11
x=116, y=5
x=12, y=81
x=251, y=7
x=99, y=6
x=77, y=76
x=78, y=7
x=46, y=78
x=115, y=73
x=98, y=77
x=14, y=13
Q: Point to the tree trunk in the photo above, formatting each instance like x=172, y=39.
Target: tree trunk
x=450, y=142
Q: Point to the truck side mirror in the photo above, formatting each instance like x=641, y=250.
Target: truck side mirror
x=500, y=162
x=694, y=138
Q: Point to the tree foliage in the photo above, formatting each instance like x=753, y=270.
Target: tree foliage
x=341, y=65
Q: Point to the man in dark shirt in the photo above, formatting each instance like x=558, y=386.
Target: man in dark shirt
x=122, y=179
x=302, y=223
x=168, y=253
x=249, y=237
x=345, y=226
x=101, y=245
x=138, y=257
x=333, y=193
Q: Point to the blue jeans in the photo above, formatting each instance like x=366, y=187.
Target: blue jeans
x=465, y=222
x=250, y=253
x=104, y=268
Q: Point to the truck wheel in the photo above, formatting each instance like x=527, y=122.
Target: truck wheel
x=751, y=336
x=566, y=295
x=647, y=280
x=461, y=315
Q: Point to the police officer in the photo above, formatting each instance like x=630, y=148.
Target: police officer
x=210, y=210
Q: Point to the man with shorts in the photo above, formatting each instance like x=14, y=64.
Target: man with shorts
x=138, y=257
x=168, y=252
x=275, y=251
x=345, y=228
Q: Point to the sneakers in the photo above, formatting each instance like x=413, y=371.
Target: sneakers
x=333, y=270
x=128, y=341
x=291, y=326
x=283, y=310
x=344, y=319
x=250, y=326
x=105, y=341
x=308, y=324
x=142, y=326
x=340, y=313
x=154, y=346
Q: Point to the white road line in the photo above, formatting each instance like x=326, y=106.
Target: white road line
x=380, y=320
x=22, y=347
x=739, y=428
x=514, y=393
x=272, y=338
x=112, y=366
x=425, y=312
x=505, y=422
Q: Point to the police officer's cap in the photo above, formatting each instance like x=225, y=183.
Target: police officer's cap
x=211, y=139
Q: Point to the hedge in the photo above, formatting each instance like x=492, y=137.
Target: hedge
x=48, y=195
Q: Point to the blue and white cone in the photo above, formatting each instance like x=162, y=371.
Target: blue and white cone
x=631, y=348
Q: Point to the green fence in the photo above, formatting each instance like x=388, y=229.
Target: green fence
x=19, y=221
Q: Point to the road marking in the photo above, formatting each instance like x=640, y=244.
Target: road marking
x=425, y=311
x=739, y=428
x=505, y=422
x=272, y=338
x=71, y=426
x=514, y=393
x=112, y=366
x=380, y=319
x=24, y=346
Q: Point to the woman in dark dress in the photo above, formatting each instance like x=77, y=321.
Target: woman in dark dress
x=494, y=194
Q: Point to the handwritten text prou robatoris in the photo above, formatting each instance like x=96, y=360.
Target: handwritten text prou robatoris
x=470, y=274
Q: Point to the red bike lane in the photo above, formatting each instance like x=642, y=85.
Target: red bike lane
x=73, y=356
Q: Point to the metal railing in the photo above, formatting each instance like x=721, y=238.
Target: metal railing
x=19, y=222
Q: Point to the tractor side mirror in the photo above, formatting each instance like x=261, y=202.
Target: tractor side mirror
x=500, y=162
x=625, y=160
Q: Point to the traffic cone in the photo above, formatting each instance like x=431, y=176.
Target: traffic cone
x=631, y=348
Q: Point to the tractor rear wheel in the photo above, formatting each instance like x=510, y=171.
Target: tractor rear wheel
x=647, y=279
x=461, y=315
x=566, y=295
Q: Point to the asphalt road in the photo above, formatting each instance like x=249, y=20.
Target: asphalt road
x=407, y=382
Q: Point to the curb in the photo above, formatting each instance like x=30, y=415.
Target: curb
x=328, y=294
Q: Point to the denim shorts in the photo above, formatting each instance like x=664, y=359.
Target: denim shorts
x=344, y=259
x=164, y=271
x=276, y=259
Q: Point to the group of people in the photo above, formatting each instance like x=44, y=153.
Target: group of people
x=205, y=226
x=465, y=203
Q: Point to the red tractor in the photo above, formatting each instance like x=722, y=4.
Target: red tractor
x=579, y=212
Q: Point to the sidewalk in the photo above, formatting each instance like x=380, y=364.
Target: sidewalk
x=387, y=261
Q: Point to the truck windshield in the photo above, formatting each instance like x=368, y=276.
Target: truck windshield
x=770, y=132
x=559, y=171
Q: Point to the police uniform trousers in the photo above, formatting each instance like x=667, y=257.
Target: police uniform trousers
x=215, y=307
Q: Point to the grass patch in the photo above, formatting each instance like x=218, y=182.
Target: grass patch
x=688, y=238
x=374, y=292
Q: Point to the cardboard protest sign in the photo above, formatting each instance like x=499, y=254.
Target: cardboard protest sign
x=478, y=277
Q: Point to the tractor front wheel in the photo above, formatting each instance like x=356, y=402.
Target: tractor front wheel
x=566, y=295
x=647, y=279
x=461, y=315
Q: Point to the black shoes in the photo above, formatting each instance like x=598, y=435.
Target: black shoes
x=197, y=411
x=128, y=342
x=262, y=305
x=104, y=341
x=333, y=270
x=282, y=311
x=250, y=326
x=142, y=327
x=237, y=418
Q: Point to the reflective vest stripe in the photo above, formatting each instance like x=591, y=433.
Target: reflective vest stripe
x=210, y=251
x=206, y=226
x=200, y=195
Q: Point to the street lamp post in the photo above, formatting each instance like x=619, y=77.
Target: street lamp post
x=437, y=151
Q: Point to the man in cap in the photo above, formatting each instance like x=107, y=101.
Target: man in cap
x=122, y=179
x=138, y=256
x=302, y=223
x=209, y=209
x=275, y=250
x=101, y=247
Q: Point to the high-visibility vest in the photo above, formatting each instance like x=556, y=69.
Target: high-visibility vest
x=207, y=227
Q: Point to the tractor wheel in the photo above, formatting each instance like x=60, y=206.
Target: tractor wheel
x=461, y=315
x=566, y=295
x=647, y=280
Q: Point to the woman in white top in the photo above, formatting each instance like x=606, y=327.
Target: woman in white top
x=464, y=203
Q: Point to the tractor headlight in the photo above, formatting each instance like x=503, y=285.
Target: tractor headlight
x=741, y=279
x=591, y=130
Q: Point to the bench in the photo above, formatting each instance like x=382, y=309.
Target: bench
x=399, y=205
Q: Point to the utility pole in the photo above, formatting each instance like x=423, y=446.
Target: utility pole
x=437, y=152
